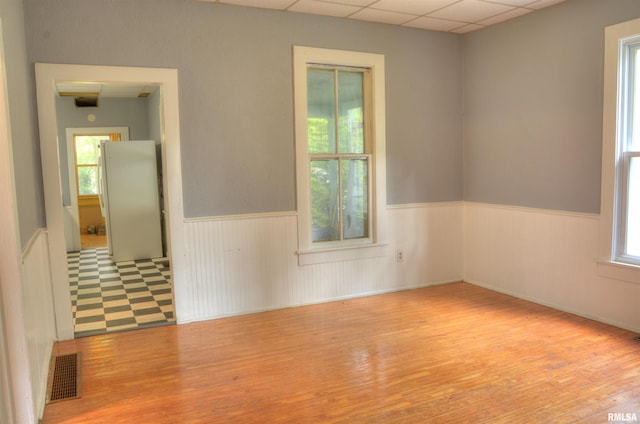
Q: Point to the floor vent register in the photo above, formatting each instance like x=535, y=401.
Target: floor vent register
x=64, y=378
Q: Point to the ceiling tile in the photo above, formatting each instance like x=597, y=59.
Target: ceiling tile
x=505, y=16
x=361, y=3
x=457, y=16
x=105, y=90
x=519, y=3
x=383, y=16
x=470, y=11
x=124, y=90
x=414, y=7
x=323, y=8
x=78, y=87
x=264, y=4
x=467, y=28
x=434, y=24
x=543, y=3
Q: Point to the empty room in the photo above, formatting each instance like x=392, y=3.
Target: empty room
x=365, y=211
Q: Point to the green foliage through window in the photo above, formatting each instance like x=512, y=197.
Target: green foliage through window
x=87, y=158
x=339, y=163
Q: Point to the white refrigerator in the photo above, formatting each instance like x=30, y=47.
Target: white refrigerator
x=130, y=199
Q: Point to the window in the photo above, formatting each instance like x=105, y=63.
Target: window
x=87, y=149
x=340, y=154
x=87, y=154
x=620, y=209
x=628, y=161
x=339, y=163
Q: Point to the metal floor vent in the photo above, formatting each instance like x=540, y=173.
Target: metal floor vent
x=64, y=378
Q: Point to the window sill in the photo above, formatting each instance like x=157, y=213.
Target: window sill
x=619, y=271
x=351, y=253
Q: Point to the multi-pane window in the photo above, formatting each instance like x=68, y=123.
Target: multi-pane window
x=628, y=159
x=339, y=158
x=340, y=154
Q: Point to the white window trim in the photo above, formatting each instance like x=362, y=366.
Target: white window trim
x=612, y=104
x=308, y=253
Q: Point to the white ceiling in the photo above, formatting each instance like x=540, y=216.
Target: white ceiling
x=457, y=16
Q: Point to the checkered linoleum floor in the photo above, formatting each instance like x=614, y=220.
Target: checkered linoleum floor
x=108, y=296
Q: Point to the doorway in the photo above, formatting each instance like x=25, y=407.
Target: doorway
x=119, y=276
x=47, y=78
x=85, y=226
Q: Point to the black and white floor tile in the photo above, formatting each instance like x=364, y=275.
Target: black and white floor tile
x=108, y=296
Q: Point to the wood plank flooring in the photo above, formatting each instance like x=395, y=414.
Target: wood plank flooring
x=452, y=353
x=91, y=241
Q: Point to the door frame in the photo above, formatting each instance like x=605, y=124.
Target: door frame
x=15, y=397
x=47, y=76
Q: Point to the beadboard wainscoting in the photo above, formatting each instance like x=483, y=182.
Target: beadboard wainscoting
x=39, y=315
x=248, y=263
x=547, y=257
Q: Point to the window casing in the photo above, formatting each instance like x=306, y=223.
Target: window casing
x=340, y=154
x=620, y=196
x=627, y=244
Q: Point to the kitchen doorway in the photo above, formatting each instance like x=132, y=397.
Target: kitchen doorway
x=132, y=286
x=48, y=76
x=85, y=226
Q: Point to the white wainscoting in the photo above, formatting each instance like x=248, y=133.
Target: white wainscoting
x=243, y=264
x=547, y=257
x=39, y=316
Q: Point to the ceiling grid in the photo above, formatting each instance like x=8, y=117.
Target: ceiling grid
x=456, y=16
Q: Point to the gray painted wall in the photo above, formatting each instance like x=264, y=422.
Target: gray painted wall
x=532, y=97
x=236, y=97
x=22, y=110
x=533, y=106
x=131, y=113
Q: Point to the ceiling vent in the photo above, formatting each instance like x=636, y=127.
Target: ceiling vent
x=86, y=101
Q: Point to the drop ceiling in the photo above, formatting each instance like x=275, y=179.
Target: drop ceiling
x=88, y=89
x=456, y=16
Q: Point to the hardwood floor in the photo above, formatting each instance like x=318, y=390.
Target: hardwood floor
x=452, y=353
x=91, y=241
